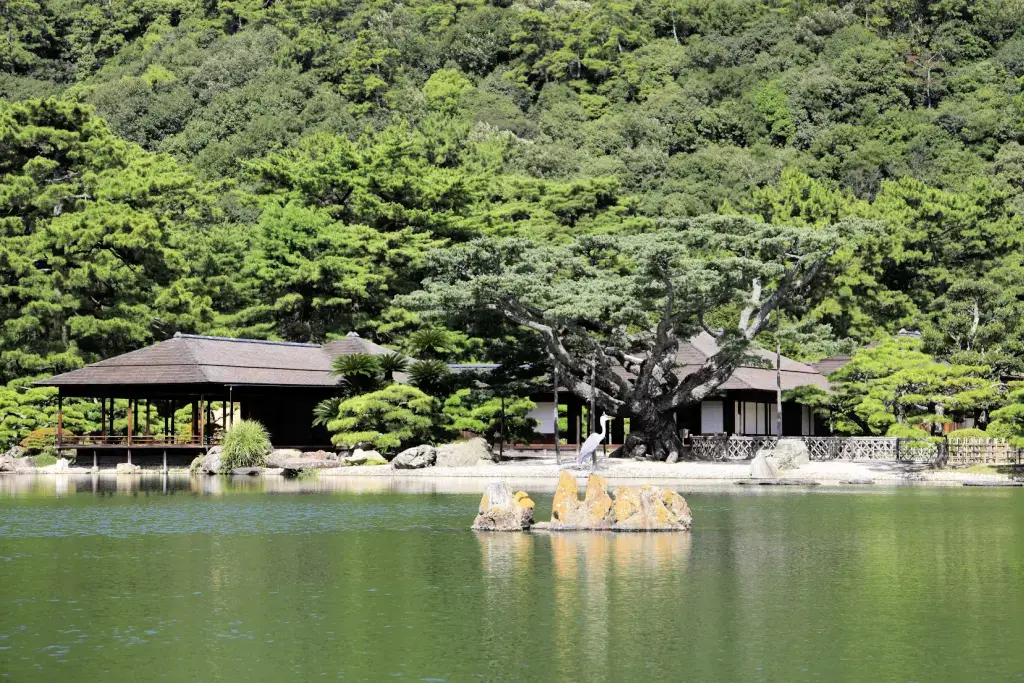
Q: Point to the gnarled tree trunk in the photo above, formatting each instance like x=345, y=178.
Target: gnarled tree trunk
x=653, y=435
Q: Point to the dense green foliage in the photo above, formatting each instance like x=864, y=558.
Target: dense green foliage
x=246, y=444
x=280, y=170
x=397, y=415
x=887, y=388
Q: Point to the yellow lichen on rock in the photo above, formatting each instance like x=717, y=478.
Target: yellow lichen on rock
x=567, y=498
x=627, y=503
x=597, y=502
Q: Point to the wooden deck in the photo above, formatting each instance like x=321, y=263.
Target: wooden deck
x=140, y=441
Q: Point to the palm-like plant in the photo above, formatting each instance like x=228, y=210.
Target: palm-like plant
x=359, y=372
x=431, y=342
x=391, y=363
x=430, y=376
x=325, y=411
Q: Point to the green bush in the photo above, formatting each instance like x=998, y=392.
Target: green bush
x=969, y=433
x=45, y=459
x=39, y=439
x=396, y=417
x=246, y=444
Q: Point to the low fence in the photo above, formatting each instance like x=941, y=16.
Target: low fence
x=954, y=452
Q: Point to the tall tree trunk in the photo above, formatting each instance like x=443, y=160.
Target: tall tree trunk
x=652, y=434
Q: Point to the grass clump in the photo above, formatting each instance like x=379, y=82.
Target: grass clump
x=44, y=459
x=246, y=444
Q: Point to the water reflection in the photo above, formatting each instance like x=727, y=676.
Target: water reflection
x=148, y=483
x=579, y=556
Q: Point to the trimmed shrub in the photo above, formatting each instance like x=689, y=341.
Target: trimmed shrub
x=246, y=444
x=969, y=433
x=40, y=439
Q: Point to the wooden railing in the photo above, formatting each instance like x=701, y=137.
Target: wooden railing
x=137, y=440
x=882, y=448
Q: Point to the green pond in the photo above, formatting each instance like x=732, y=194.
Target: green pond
x=266, y=580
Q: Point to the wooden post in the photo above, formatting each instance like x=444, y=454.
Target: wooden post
x=231, y=400
x=778, y=377
x=195, y=420
x=103, y=420
x=202, y=421
x=149, y=431
x=554, y=377
x=174, y=426
x=223, y=419
x=592, y=417
x=129, y=429
x=60, y=420
x=501, y=443
x=579, y=428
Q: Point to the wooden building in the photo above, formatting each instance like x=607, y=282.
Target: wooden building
x=279, y=383
x=745, y=405
x=276, y=383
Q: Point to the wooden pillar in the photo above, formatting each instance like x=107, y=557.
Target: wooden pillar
x=231, y=400
x=202, y=421
x=223, y=419
x=149, y=430
x=103, y=420
x=572, y=411
x=60, y=420
x=195, y=420
x=554, y=381
x=130, y=425
x=501, y=444
x=617, y=431
x=592, y=418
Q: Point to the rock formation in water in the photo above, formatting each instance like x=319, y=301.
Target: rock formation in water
x=644, y=508
x=502, y=510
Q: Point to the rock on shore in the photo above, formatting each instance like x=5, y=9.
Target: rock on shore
x=464, y=454
x=775, y=460
x=502, y=510
x=415, y=458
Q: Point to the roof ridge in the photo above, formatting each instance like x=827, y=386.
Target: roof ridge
x=245, y=341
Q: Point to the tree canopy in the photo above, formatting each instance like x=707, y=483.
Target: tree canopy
x=296, y=170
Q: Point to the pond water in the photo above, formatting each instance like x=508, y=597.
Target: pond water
x=255, y=581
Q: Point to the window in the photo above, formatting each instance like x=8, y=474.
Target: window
x=754, y=418
x=712, y=417
x=806, y=421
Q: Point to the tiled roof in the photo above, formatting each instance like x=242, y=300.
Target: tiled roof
x=193, y=359
x=756, y=372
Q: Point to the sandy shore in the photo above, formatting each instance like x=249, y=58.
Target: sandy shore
x=832, y=472
x=541, y=474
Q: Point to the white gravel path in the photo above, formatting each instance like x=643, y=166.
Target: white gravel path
x=832, y=472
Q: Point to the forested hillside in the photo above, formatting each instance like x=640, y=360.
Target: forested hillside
x=280, y=169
